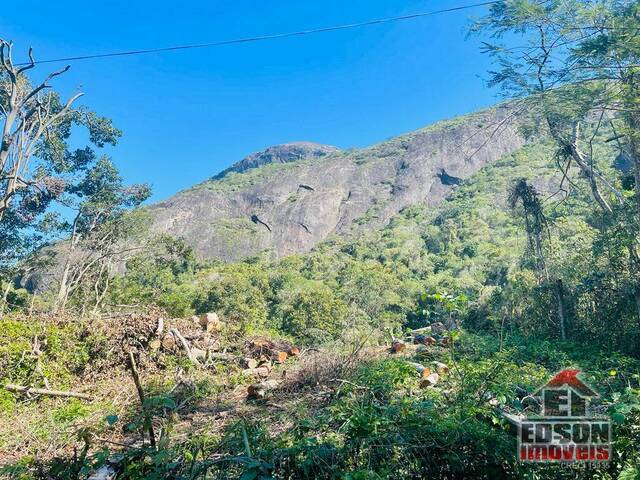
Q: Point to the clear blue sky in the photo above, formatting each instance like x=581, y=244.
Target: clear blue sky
x=187, y=115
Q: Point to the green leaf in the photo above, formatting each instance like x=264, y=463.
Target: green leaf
x=249, y=475
x=618, y=418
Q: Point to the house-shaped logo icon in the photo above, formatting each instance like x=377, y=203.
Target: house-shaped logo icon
x=566, y=396
x=565, y=430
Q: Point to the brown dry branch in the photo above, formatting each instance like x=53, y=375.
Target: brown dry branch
x=141, y=396
x=41, y=391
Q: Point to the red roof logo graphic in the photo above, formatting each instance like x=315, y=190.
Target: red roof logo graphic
x=570, y=378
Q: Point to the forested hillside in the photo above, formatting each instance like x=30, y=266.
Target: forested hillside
x=408, y=338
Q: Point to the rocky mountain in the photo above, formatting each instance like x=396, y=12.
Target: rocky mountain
x=290, y=197
x=288, y=152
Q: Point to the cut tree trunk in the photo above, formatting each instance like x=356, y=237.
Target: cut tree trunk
x=441, y=368
x=261, y=389
x=421, y=369
x=168, y=341
x=41, y=391
x=185, y=346
x=249, y=363
x=293, y=351
x=430, y=381
x=278, y=356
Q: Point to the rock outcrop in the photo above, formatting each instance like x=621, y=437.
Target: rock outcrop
x=288, y=152
x=289, y=198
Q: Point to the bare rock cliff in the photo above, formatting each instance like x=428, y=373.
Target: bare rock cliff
x=291, y=197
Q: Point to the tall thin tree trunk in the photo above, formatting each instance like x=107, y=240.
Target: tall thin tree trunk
x=5, y=298
x=61, y=298
x=559, y=290
x=634, y=152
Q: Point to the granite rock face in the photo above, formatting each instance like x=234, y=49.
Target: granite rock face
x=289, y=198
x=288, y=152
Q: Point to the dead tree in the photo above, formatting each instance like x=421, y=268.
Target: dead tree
x=29, y=113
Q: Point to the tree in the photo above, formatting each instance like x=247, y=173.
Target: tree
x=99, y=230
x=37, y=163
x=536, y=226
x=578, y=66
x=577, y=75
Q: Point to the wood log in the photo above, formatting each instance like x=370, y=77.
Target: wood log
x=249, y=363
x=397, y=346
x=293, y=351
x=278, y=356
x=210, y=322
x=424, y=339
x=441, y=368
x=430, y=381
x=185, y=346
x=160, y=327
x=168, y=342
x=258, y=372
x=423, y=330
x=41, y=391
x=224, y=357
x=261, y=389
x=262, y=343
x=198, y=354
x=422, y=370
x=155, y=344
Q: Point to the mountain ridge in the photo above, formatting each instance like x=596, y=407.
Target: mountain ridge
x=288, y=205
x=282, y=153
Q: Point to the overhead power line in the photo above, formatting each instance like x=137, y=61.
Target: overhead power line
x=265, y=37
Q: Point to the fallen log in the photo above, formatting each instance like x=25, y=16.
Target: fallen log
x=265, y=362
x=41, y=391
x=262, y=343
x=397, y=346
x=258, y=371
x=422, y=370
x=260, y=390
x=249, y=363
x=210, y=322
x=293, y=351
x=168, y=342
x=424, y=340
x=441, y=368
x=160, y=327
x=223, y=357
x=423, y=330
x=185, y=346
x=430, y=381
x=278, y=356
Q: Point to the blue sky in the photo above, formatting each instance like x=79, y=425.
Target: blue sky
x=187, y=115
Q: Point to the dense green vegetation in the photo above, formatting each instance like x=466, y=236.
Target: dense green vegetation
x=467, y=260
x=528, y=267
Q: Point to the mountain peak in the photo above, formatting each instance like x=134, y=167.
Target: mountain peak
x=284, y=153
